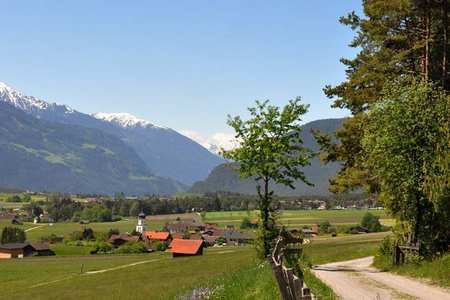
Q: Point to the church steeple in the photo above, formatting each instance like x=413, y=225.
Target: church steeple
x=142, y=224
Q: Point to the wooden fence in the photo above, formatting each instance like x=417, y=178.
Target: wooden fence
x=291, y=287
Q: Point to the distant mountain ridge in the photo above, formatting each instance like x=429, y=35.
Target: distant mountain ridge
x=165, y=151
x=223, y=178
x=39, y=155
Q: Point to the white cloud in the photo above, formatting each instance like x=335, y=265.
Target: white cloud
x=216, y=140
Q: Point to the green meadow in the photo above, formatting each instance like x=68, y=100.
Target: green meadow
x=145, y=276
x=298, y=218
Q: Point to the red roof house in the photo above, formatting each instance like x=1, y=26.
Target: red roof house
x=186, y=247
x=158, y=236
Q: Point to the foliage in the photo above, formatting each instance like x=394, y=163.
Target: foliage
x=95, y=213
x=159, y=246
x=246, y=223
x=221, y=239
x=101, y=245
x=112, y=231
x=14, y=199
x=401, y=142
x=87, y=234
x=131, y=247
x=324, y=226
x=13, y=235
x=394, y=39
x=270, y=148
x=371, y=222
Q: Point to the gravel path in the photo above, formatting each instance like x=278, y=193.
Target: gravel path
x=356, y=279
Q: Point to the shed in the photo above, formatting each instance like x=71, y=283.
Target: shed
x=119, y=239
x=24, y=249
x=186, y=247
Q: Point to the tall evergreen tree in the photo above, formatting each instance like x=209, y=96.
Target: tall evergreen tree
x=395, y=38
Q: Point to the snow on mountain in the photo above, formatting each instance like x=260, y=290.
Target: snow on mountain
x=28, y=104
x=125, y=120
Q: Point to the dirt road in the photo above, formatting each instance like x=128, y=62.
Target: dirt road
x=356, y=279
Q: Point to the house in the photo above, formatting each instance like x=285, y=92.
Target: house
x=315, y=229
x=210, y=240
x=229, y=227
x=186, y=247
x=119, y=239
x=177, y=236
x=161, y=236
x=237, y=237
x=20, y=250
x=8, y=216
x=309, y=233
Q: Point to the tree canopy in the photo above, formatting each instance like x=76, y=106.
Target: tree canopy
x=270, y=148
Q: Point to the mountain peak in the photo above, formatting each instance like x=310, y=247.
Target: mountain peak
x=29, y=104
x=124, y=120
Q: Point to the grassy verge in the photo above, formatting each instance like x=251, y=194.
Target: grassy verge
x=253, y=281
x=435, y=272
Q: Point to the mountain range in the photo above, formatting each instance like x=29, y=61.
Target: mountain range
x=53, y=147
x=162, y=154
x=224, y=178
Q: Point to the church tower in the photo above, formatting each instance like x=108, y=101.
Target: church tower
x=142, y=224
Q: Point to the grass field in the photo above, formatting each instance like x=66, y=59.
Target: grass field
x=298, y=218
x=146, y=276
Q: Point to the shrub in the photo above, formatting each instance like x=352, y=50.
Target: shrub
x=159, y=246
x=131, y=247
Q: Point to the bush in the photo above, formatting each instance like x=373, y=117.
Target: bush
x=371, y=222
x=131, y=247
x=159, y=246
x=383, y=256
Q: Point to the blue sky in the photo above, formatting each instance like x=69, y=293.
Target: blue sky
x=182, y=64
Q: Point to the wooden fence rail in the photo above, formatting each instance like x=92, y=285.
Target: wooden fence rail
x=291, y=287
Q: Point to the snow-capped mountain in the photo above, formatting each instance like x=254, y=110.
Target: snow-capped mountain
x=125, y=120
x=30, y=105
x=165, y=151
x=215, y=149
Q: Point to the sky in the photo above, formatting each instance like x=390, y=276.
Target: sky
x=182, y=64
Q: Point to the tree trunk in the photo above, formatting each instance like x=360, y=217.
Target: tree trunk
x=445, y=43
x=266, y=217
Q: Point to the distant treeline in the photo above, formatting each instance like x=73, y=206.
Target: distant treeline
x=107, y=209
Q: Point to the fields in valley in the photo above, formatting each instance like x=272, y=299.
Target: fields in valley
x=298, y=218
x=158, y=275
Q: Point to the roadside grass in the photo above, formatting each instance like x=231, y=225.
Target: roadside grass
x=436, y=272
x=159, y=276
x=253, y=281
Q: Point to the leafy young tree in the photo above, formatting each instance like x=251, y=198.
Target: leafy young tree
x=403, y=143
x=270, y=148
x=371, y=222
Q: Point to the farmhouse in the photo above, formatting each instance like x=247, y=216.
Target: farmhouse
x=186, y=247
x=119, y=239
x=309, y=232
x=236, y=237
x=161, y=236
x=20, y=250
